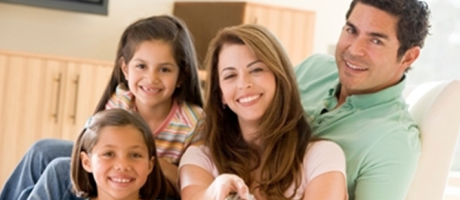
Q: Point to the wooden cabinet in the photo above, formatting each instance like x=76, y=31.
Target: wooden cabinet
x=43, y=97
x=293, y=27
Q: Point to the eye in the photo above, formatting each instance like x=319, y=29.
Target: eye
x=136, y=155
x=255, y=70
x=140, y=66
x=108, y=154
x=350, y=30
x=377, y=41
x=165, y=69
x=229, y=76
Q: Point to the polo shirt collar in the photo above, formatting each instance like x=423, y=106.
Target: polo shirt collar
x=363, y=101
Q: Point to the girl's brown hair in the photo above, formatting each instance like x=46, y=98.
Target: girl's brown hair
x=168, y=29
x=284, y=132
x=83, y=182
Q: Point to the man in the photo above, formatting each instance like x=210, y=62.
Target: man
x=356, y=99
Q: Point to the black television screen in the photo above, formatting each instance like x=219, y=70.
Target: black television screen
x=87, y=6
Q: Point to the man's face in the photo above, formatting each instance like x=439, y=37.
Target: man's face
x=367, y=50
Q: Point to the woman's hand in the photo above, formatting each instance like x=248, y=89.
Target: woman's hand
x=198, y=184
x=225, y=184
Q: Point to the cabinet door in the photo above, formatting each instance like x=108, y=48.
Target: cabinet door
x=3, y=63
x=275, y=19
x=29, y=110
x=84, y=87
x=205, y=19
x=294, y=28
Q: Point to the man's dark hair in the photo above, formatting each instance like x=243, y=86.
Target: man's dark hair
x=413, y=25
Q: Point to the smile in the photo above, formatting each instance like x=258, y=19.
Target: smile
x=150, y=90
x=355, y=67
x=121, y=180
x=249, y=99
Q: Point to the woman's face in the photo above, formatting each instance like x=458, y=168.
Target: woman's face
x=247, y=84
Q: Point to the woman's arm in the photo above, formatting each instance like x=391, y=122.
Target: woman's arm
x=327, y=186
x=197, y=184
x=325, y=172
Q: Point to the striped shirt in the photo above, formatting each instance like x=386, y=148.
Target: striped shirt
x=176, y=133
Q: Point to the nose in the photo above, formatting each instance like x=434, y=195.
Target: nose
x=152, y=76
x=357, y=47
x=122, y=164
x=245, y=82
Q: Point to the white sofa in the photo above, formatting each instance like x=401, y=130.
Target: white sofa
x=435, y=107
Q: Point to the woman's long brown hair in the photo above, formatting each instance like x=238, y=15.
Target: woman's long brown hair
x=284, y=132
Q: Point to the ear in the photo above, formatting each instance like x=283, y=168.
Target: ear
x=179, y=81
x=86, y=162
x=151, y=164
x=410, y=56
x=223, y=99
x=124, y=67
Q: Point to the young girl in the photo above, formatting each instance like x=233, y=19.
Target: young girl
x=155, y=75
x=257, y=140
x=115, y=157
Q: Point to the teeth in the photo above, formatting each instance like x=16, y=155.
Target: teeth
x=249, y=99
x=151, y=89
x=121, y=180
x=355, y=67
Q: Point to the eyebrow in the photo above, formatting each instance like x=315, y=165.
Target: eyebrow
x=252, y=63
x=131, y=147
x=163, y=63
x=248, y=65
x=374, y=34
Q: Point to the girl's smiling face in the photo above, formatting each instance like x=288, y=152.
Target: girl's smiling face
x=152, y=73
x=119, y=162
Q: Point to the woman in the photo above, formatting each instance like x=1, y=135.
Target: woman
x=256, y=137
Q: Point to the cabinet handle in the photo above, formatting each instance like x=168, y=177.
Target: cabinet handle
x=58, y=93
x=74, y=115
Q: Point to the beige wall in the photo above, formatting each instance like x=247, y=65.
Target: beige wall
x=55, y=32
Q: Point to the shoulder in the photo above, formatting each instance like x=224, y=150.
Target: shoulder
x=323, y=156
x=322, y=148
x=317, y=64
x=121, y=98
x=316, y=75
x=199, y=156
x=195, y=151
x=189, y=114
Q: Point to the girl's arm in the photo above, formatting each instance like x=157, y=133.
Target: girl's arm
x=327, y=186
x=170, y=171
x=197, y=184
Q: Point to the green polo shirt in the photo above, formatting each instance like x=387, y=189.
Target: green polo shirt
x=380, y=140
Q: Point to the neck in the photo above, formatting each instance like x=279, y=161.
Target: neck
x=154, y=115
x=249, y=130
x=341, y=97
x=105, y=196
x=111, y=198
x=343, y=93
